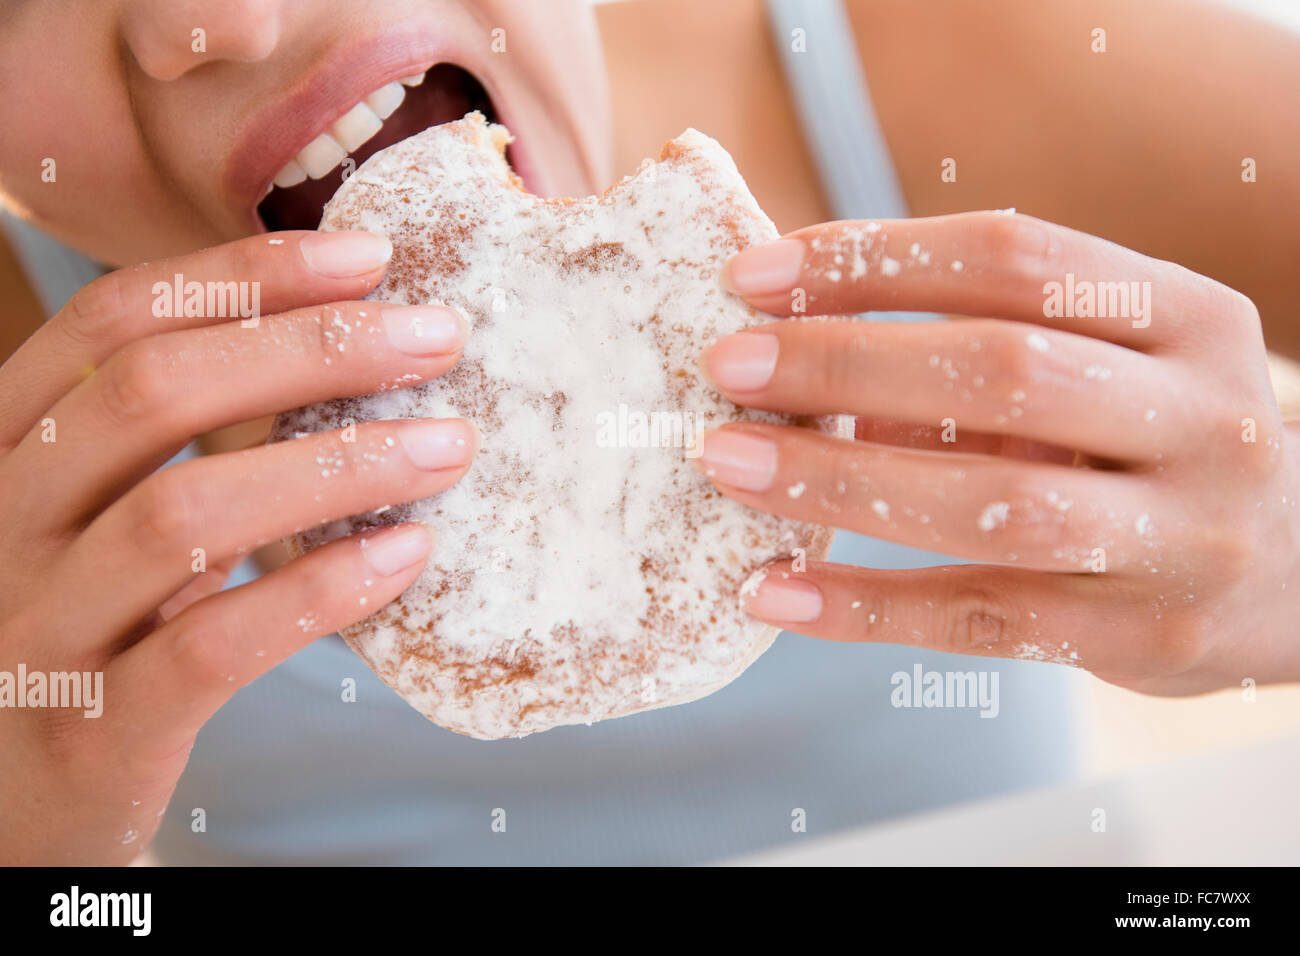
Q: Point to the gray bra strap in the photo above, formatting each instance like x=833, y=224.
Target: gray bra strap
x=53, y=270
x=840, y=127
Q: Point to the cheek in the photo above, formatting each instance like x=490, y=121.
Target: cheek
x=65, y=138
x=47, y=165
x=72, y=161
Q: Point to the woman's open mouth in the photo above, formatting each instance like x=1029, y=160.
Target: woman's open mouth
x=388, y=115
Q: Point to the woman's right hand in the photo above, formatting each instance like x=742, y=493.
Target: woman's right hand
x=98, y=549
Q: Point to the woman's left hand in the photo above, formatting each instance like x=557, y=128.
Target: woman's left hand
x=1108, y=443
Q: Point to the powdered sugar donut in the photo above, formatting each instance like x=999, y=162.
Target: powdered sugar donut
x=582, y=569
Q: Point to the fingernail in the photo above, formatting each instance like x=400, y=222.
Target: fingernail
x=765, y=270
x=423, y=329
x=341, y=255
x=743, y=460
x=780, y=596
x=441, y=444
x=391, y=551
x=743, y=362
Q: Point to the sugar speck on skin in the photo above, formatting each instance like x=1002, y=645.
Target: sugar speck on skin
x=1143, y=524
x=275, y=242
x=957, y=265
x=881, y=508
x=797, y=489
x=916, y=248
x=1150, y=415
x=994, y=515
x=834, y=275
x=1036, y=341
x=888, y=266
x=856, y=604
x=873, y=227
x=1099, y=372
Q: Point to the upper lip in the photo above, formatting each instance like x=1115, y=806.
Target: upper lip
x=279, y=131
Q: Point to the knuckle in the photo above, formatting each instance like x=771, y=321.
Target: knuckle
x=977, y=618
x=327, y=332
x=239, y=261
x=1182, y=641
x=347, y=458
x=318, y=589
x=93, y=310
x=1231, y=552
x=1257, y=462
x=1235, y=309
x=1022, y=245
x=204, y=653
x=137, y=384
x=1030, y=520
x=1009, y=362
x=163, y=511
x=1242, y=428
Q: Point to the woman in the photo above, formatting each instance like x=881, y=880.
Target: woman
x=1129, y=485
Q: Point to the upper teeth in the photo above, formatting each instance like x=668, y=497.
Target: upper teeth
x=347, y=132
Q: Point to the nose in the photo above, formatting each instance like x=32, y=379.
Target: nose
x=168, y=38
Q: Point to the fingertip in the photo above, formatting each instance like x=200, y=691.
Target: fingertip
x=438, y=444
x=768, y=269
x=345, y=255
x=742, y=459
x=780, y=596
x=397, y=548
x=743, y=362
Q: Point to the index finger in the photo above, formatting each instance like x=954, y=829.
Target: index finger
x=243, y=279
x=988, y=264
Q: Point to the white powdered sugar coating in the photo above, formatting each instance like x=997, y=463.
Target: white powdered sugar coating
x=573, y=577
